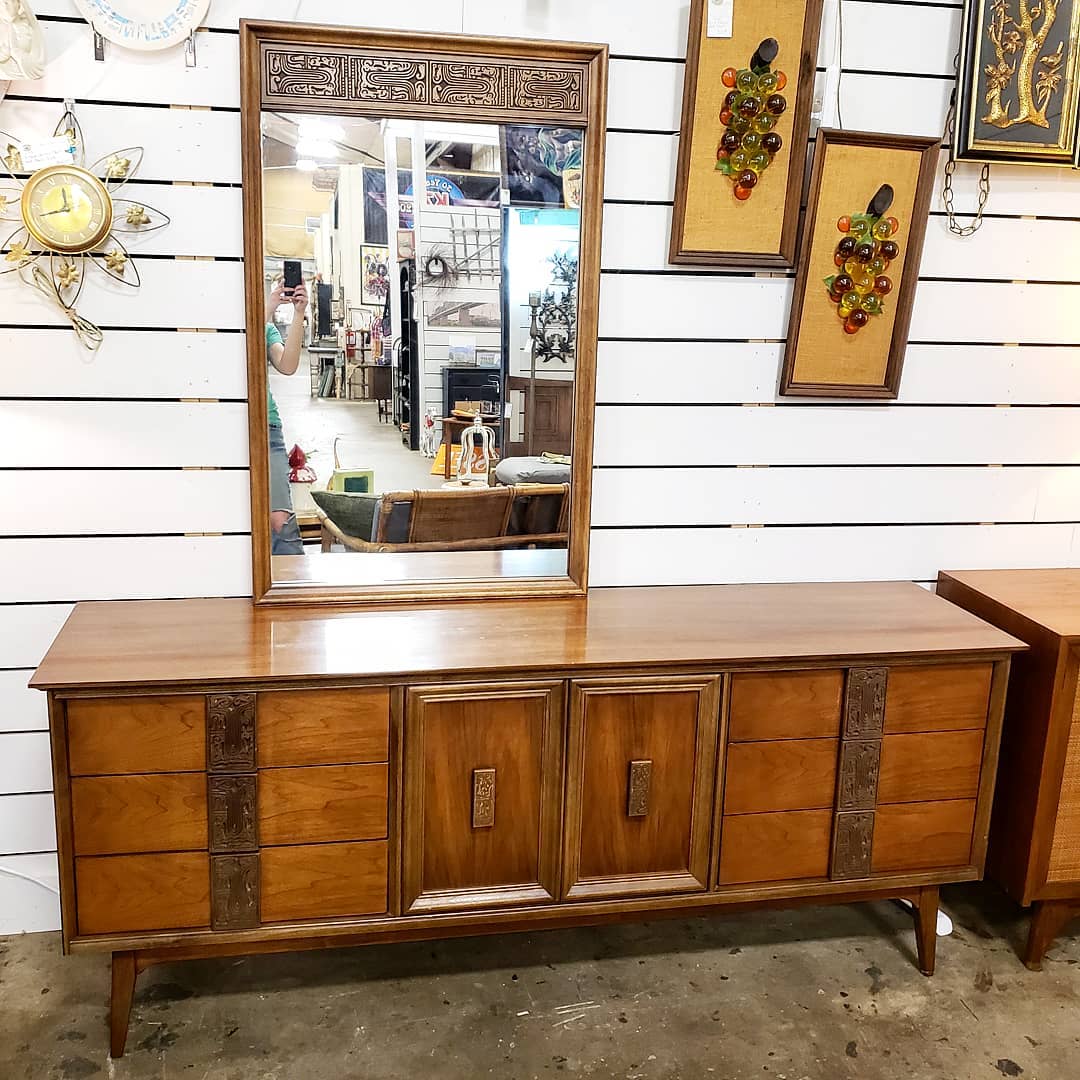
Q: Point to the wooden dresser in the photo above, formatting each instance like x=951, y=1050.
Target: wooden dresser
x=1035, y=831
x=237, y=780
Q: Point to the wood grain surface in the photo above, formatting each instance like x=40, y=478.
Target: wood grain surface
x=785, y=705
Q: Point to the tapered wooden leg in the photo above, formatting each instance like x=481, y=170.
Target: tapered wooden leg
x=1049, y=918
x=926, y=909
x=124, y=974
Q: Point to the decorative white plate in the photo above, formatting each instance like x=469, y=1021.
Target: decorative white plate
x=144, y=24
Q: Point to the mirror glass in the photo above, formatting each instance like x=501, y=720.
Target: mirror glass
x=420, y=349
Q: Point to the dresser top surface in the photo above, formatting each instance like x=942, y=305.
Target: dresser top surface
x=1049, y=598
x=183, y=642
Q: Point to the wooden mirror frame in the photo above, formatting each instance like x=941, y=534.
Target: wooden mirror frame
x=392, y=74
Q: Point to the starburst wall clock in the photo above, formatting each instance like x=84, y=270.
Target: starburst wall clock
x=70, y=221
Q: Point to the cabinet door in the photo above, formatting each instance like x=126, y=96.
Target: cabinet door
x=483, y=795
x=640, y=780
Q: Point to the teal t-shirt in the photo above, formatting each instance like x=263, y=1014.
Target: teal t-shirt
x=273, y=337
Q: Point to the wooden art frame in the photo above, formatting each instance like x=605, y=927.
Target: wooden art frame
x=709, y=225
x=820, y=359
x=1016, y=68
x=391, y=74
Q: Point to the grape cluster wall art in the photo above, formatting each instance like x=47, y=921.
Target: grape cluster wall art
x=862, y=257
x=753, y=104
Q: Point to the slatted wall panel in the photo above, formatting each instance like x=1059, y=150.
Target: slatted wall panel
x=126, y=475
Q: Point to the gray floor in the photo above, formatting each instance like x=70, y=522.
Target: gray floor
x=811, y=994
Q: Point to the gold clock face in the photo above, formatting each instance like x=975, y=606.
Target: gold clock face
x=67, y=209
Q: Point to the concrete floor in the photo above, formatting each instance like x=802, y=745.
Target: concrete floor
x=811, y=994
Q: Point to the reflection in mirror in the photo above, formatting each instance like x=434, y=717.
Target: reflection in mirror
x=420, y=350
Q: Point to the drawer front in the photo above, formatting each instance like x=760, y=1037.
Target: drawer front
x=128, y=893
x=483, y=795
x=640, y=780
x=323, y=881
x=929, y=767
x=946, y=697
x=923, y=836
x=1064, y=863
x=323, y=727
x=785, y=705
x=136, y=735
x=128, y=814
x=770, y=776
x=322, y=804
x=775, y=847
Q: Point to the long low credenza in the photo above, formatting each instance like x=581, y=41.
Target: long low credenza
x=236, y=780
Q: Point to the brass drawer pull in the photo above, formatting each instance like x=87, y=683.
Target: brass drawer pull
x=637, y=799
x=483, y=798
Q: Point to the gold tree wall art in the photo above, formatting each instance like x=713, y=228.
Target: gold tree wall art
x=70, y=221
x=1018, y=82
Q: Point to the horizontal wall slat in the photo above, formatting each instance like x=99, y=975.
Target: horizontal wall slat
x=26, y=824
x=120, y=501
x=828, y=496
x=27, y=631
x=29, y=894
x=21, y=709
x=180, y=144
x=820, y=553
x=903, y=105
x=126, y=568
x=841, y=435
x=130, y=364
x=173, y=294
x=25, y=762
x=650, y=372
x=1009, y=249
x=904, y=38
x=61, y=434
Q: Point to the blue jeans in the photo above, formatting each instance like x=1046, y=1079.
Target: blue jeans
x=287, y=541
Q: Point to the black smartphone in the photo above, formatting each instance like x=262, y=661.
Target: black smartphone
x=293, y=276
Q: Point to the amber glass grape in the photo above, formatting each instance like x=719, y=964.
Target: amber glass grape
x=838, y=259
x=882, y=285
x=731, y=141
x=775, y=104
x=781, y=80
x=889, y=250
x=771, y=142
x=859, y=318
x=842, y=283
x=846, y=247
x=864, y=252
x=727, y=77
x=731, y=98
x=725, y=116
x=750, y=106
x=844, y=223
x=742, y=193
x=748, y=178
x=721, y=154
x=894, y=226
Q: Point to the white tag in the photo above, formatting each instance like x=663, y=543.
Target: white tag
x=508, y=409
x=720, y=17
x=44, y=152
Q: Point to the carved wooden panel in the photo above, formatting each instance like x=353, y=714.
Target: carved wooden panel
x=234, y=823
x=405, y=82
x=483, y=795
x=860, y=766
x=853, y=845
x=230, y=732
x=864, y=704
x=234, y=892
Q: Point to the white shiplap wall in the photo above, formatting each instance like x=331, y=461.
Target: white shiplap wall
x=977, y=463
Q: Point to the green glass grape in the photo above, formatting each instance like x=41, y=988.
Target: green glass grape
x=764, y=122
x=752, y=141
x=746, y=81
x=740, y=159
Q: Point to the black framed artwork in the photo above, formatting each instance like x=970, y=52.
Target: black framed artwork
x=1018, y=83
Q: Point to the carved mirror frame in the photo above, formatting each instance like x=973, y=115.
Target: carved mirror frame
x=391, y=74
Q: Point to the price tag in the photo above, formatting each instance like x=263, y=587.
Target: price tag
x=44, y=152
x=720, y=15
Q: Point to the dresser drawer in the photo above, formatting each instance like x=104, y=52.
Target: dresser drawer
x=923, y=836
x=136, y=735
x=323, y=881
x=323, y=727
x=322, y=804
x=126, y=893
x=945, y=697
x=128, y=814
x=931, y=766
x=775, y=847
x=785, y=705
x=798, y=774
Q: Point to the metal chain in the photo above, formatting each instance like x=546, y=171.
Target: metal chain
x=975, y=224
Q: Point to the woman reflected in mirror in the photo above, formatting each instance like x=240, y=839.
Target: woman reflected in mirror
x=284, y=355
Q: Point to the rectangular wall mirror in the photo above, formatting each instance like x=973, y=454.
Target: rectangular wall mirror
x=422, y=242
